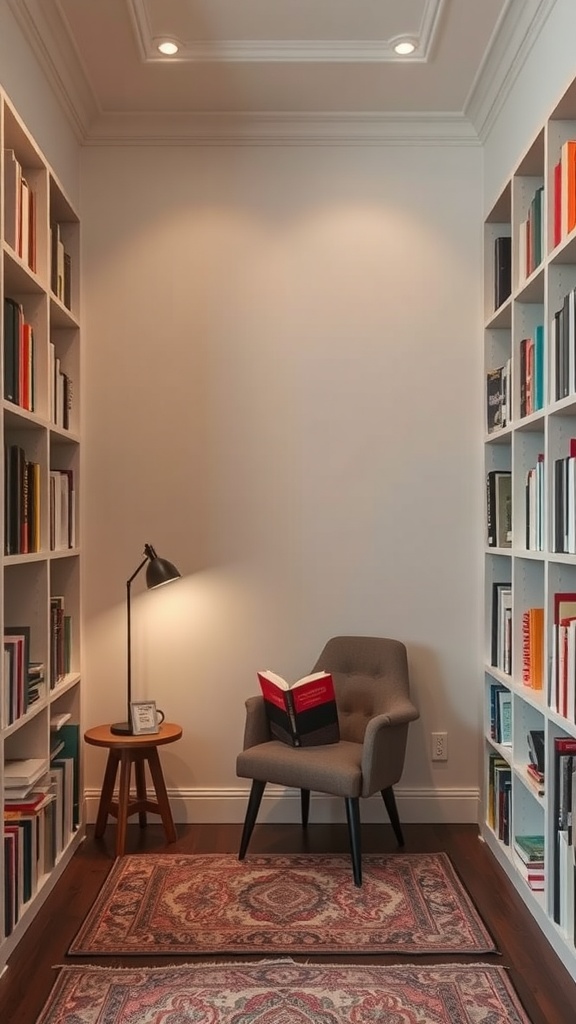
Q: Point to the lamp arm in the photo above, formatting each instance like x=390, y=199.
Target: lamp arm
x=129, y=635
x=136, y=571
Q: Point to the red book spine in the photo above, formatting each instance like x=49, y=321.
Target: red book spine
x=564, y=745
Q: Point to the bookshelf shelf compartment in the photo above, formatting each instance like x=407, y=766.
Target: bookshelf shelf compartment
x=40, y=679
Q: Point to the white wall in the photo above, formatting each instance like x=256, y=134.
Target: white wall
x=27, y=88
x=282, y=395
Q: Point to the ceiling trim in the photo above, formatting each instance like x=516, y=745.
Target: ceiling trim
x=57, y=56
x=298, y=51
x=514, y=35
x=45, y=30
x=319, y=129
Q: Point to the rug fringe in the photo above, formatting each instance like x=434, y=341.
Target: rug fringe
x=188, y=966
x=277, y=960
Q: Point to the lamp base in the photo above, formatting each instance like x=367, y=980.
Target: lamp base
x=121, y=729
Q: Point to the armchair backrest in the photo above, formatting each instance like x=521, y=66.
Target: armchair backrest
x=370, y=676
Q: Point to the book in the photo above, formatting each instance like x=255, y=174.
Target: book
x=502, y=269
x=504, y=718
x=530, y=848
x=303, y=713
x=69, y=734
x=501, y=633
x=22, y=772
x=501, y=714
x=535, y=779
x=496, y=398
x=534, y=506
x=564, y=604
x=18, y=681
x=564, y=761
x=35, y=801
x=567, y=187
x=533, y=647
x=57, y=721
x=12, y=179
x=536, y=747
x=533, y=875
x=539, y=360
x=13, y=320
x=10, y=900
x=499, y=508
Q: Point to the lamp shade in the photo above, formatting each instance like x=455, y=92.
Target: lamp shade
x=158, y=570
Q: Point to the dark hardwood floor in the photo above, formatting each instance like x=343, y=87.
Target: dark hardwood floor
x=544, y=986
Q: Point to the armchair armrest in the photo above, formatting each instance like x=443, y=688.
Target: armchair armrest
x=385, y=746
x=256, y=729
x=403, y=711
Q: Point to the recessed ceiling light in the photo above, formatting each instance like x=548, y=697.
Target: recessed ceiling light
x=168, y=48
x=404, y=47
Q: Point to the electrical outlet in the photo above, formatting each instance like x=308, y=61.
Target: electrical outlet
x=439, y=746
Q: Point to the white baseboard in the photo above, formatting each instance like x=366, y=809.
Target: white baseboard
x=220, y=806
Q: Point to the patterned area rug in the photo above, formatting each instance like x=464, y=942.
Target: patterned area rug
x=283, y=993
x=172, y=904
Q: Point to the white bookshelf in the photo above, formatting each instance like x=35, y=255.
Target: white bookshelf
x=32, y=577
x=535, y=576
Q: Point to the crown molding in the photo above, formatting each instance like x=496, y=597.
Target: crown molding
x=55, y=52
x=280, y=51
x=45, y=30
x=318, y=129
x=513, y=37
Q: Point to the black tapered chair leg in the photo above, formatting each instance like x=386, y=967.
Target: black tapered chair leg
x=305, y=806
x=390, y=804
x=251, y=815
x=353, y=817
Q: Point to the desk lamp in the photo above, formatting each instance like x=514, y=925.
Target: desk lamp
x=158, y=572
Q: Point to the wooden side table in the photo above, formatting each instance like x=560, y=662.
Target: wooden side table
x=127, y=751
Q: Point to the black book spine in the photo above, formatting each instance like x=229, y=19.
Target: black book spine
x=491, y=508
x=502, y=269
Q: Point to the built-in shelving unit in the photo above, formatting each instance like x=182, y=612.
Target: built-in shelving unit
x=40, y=710
x=531, y=334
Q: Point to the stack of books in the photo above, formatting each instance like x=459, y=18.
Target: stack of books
x=530, y=853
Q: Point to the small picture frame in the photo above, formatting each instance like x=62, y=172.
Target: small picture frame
x=144, y=717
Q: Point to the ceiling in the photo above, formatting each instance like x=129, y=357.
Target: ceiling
x=314, y=63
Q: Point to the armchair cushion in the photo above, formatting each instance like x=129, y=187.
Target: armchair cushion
x=333, y=768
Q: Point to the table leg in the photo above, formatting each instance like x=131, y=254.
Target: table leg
x=107, y=792
x=141, y=789
x=161, y=794
x=123, y=800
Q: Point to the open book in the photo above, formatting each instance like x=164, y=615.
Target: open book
x=302, y=713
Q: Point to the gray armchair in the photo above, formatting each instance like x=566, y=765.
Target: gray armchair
x=374, y=709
